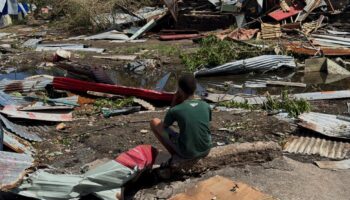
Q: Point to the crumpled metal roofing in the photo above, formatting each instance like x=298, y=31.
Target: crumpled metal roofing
x=6, y=99
x=12, y=168
x=22, y=131
x=108, y=176
x=23, y=85
x=17, y=144
x=325, y=124
x=257, y=64
x=311, y=145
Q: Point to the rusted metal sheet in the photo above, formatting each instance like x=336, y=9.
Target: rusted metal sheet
x=298, y=48
x=334, y=165
x=325, y=124
x=12, y=112
x=23, y=85
x=311, y=145
x=20, y=130
x=17, y=144
x=12, y=168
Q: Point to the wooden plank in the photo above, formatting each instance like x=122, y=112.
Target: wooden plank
x=118, y=57
x=219, y=187
x=283, y=83
x=229, y=155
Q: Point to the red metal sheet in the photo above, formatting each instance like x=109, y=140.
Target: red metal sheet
x=142, y=157
x=281, y=15
x=62, y=83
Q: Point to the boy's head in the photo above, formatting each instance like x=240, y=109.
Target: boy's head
x=187, y=84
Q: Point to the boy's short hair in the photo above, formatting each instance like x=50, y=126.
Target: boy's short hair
x=188, y=84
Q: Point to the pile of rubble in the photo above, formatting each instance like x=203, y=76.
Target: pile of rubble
x=294, y=29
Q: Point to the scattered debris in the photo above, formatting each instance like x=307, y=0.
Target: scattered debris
x=61, y=126
x=140, y=66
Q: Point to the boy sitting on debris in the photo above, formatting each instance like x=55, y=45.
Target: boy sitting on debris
x=193, y=118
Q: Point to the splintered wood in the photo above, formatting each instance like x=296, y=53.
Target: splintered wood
x=222, y=188
x=269, y=31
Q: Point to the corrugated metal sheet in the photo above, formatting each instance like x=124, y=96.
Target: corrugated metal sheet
x=12, y=112
x=43, y=185
x=6, y=99
x=311, y=145
x=17, y=144
x=12, y=168
x=23, y=85
x=325, y=124
x=111, y=35
x=257, y=64
x=344, y=164
x=20, y=130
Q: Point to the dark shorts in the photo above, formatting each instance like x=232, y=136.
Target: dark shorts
x=170, y=137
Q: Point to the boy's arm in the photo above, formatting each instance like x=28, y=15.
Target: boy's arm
x=168, y=120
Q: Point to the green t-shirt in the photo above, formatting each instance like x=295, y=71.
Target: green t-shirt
x=193, y=118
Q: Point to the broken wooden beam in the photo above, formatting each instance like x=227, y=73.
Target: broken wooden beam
x=230, y=155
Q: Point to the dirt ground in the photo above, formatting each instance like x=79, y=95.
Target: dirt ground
x=92, y=138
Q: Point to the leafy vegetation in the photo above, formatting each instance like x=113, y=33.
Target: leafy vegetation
x=81, y=15
x=213, y=52
x=113, y=104
x=234, y=104
x=294, y=107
